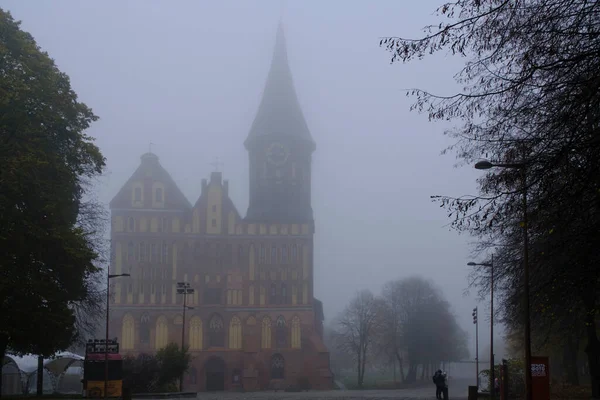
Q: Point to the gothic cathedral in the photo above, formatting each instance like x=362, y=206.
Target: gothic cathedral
x=249, y=319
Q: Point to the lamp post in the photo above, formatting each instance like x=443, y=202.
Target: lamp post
x=183, y=288
x=490, y=265
x=523, y=168
x=109, y=276
x=476, y=322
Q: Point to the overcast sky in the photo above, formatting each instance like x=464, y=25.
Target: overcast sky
x=187, y=75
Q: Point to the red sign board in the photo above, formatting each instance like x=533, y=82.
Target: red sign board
x=540, y=378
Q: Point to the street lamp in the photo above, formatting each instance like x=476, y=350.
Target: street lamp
x=490, y=265
x=184, y=288
x=109, y=276
x=485, y=164
x=476, y=323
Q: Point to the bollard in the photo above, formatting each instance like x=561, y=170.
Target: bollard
x=473, y=392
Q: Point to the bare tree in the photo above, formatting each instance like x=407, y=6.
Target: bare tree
x=356, y=330
x=530, y=97
x=340, y=360
x=391, y=330
x=93, y=220
x=418, y=325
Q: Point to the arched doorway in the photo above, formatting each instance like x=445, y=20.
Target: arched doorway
x=215, y=374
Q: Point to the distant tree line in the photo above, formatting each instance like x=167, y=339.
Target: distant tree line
x=530, y=98
x=410, y=326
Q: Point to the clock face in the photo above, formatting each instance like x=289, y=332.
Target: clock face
x=277, y=154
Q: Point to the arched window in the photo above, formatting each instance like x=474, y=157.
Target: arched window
x=154, y=254
x=251, y=295
x=130, y=224
x=142, y=255
x=137, y=194
x=277, y=367
x=262, y=254
x=215, y=331
x=296, y=333
x=262, y=295
x=162, y=333
x=284, y=293
x=235, y=333
x=130, y=251
x=304, y=293
x=158, y=195
x=265, y=341
x=128, y=333
x=144, y=328
x=294, y=294
x=280, y=332
x=195, y=333
x=218, y=257
x=240, y=254
x=273, y=255
x=273, y=294
x=164, y=252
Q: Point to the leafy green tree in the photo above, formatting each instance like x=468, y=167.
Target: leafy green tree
x=173, y=363
x=47, y=227
x=140, y=374
x=156, y=373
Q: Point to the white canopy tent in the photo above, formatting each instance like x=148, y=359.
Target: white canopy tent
x=62, y=374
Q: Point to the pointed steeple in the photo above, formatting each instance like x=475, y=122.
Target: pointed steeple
x=279, y=113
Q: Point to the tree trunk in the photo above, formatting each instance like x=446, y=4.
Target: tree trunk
x=569, y=364
x=411, y=376
x=364, y=363
x=593, y=353
x=358, y=364
x=400, y=362
x=40, y=377
x=3, y=346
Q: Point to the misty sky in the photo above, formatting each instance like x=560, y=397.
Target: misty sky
x=187, y=75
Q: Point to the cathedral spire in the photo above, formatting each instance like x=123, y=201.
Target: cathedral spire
x=279, y=113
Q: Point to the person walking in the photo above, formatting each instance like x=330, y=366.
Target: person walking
x=444, y=382
x=438, y=380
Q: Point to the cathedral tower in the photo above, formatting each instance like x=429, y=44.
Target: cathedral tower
x=280, y=148
x=252, y=321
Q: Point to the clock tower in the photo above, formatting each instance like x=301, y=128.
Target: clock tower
x=280, y=148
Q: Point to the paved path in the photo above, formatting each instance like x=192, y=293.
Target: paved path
x=460, y=393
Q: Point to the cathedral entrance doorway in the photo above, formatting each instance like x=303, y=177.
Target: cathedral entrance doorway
x=215, y=374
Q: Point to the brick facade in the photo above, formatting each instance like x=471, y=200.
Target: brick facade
x=252, y=321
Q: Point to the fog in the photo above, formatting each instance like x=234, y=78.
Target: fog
x=187, y=76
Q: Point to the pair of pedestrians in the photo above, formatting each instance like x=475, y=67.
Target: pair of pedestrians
x=440, y=379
